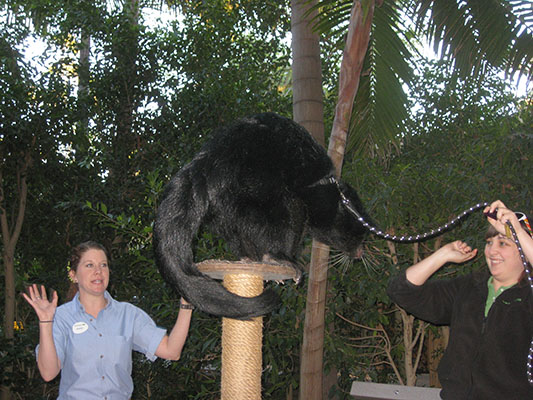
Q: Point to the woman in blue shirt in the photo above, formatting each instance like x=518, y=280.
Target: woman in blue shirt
x=90, y=339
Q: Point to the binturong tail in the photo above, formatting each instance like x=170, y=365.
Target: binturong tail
x=179, y=217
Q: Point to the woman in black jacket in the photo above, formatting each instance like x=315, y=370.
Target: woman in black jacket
x=490, y=312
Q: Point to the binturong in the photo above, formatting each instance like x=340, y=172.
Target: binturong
x=261, y=184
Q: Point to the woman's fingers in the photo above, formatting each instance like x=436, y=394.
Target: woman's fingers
x=43, y=293
x=54, y=299
x=27, y=298
x=38, y=297
x=34, y=292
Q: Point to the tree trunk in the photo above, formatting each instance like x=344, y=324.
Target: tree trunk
x=125, y=142
x=311, y=370
x=351, y=67
x=83, y=83
x=436, y=346
x=10, y=236
x=307, y=97
x=413, y=345
x=349, y=77
x=436, y=343
x=308, y=111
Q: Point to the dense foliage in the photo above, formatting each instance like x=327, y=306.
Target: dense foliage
x=154, y=92
x=469, y=142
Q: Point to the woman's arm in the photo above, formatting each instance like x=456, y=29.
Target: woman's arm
x=47, y=360
x=456, y=252
x=171, y=345
x=431, y=301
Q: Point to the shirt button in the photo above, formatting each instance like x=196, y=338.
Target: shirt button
x=103, y=377
x=100, y=334
x=102, y=356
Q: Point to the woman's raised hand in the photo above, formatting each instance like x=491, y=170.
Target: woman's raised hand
x=44, y=308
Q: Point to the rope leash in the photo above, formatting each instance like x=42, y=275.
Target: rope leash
x=408, y=239
x=436, y=232
x=529, y=275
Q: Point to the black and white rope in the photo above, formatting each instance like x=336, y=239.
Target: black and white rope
x=436, y=232
x=415, y=238
x=529, y=275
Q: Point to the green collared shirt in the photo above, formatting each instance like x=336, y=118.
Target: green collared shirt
x=491, y=297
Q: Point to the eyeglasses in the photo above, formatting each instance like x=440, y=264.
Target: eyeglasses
x=523, y=218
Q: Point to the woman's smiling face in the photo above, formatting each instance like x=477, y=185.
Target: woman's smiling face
x=92, y=273
x=503, y=260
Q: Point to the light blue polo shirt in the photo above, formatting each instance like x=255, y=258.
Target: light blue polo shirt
x=96, y=353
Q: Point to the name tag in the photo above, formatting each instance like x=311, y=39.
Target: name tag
x=79, y=327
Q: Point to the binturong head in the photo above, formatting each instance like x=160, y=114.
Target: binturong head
x=331, y=222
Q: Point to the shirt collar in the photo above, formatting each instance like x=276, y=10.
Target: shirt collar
x=79, y=306
x=490, y=284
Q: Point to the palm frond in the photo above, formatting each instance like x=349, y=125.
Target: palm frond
x=380, y=105
x=479, y=34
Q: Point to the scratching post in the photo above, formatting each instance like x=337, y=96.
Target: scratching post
x=242, y=340
x=242, y=344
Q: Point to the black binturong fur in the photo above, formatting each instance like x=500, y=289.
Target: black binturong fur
x=258, y=184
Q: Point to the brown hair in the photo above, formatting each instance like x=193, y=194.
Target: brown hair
x=491, y=232
x=74, y=261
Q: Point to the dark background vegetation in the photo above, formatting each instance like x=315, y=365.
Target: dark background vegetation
x=101, y=154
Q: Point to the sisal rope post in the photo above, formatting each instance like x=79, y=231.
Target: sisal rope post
x=242, y=358
x=242, y=344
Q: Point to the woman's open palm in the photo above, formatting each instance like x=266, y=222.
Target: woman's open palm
x=44, y=308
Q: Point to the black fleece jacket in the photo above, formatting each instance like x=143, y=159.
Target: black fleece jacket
x=486, y=358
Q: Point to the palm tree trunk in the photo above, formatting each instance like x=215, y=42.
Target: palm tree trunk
x=349, y=77
x=308, y=111
x=311, y=373
x=307, y=99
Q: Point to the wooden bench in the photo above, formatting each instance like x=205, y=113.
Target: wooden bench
x=382, y=391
